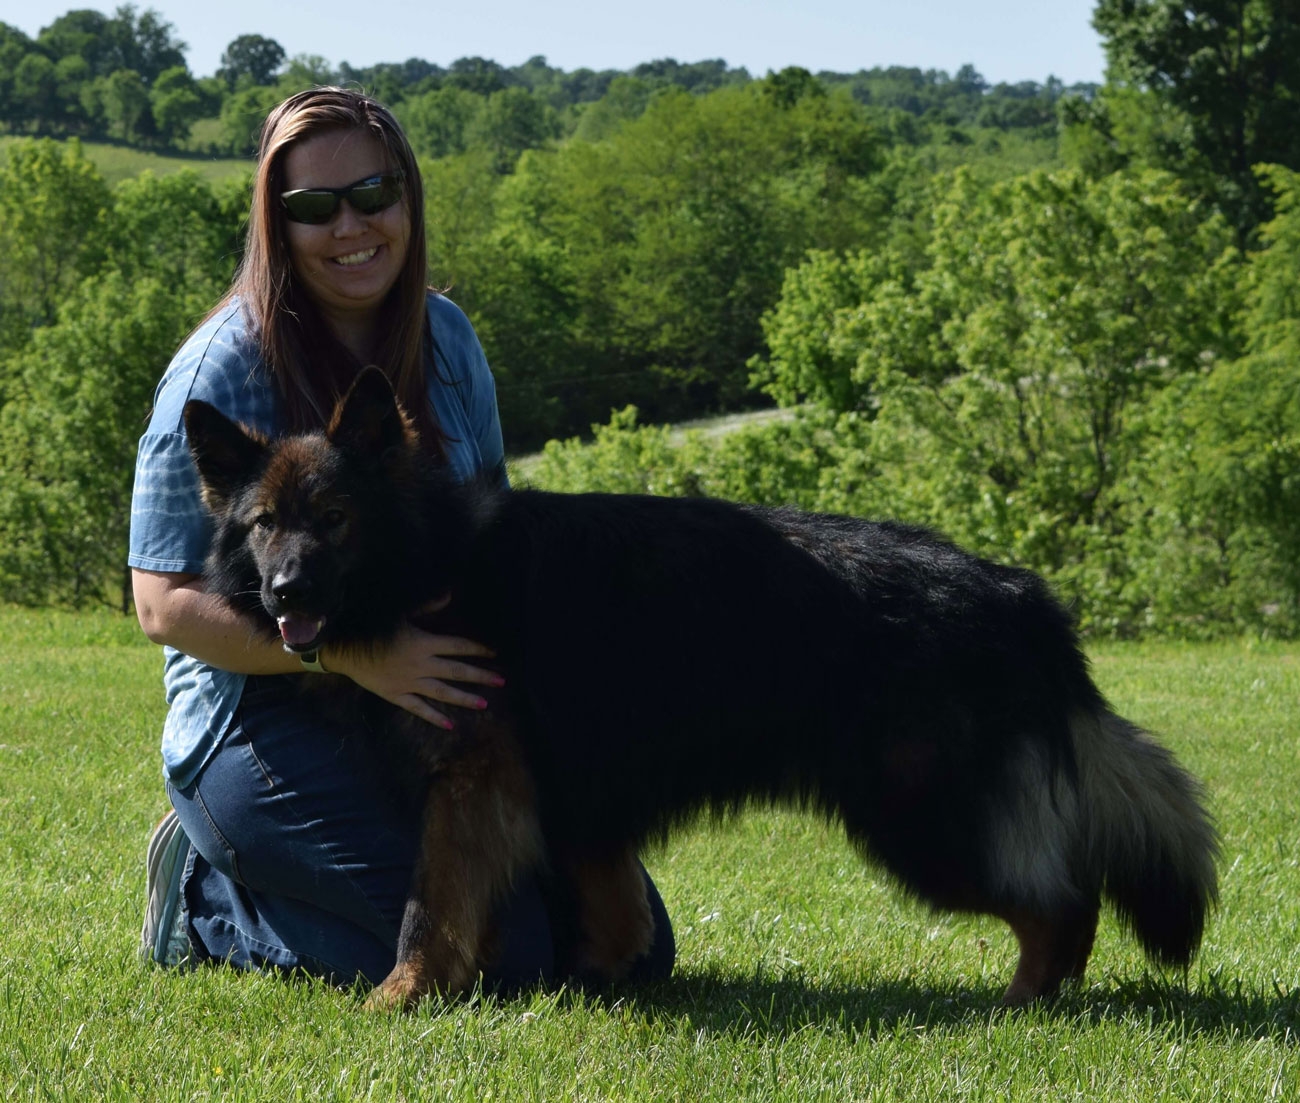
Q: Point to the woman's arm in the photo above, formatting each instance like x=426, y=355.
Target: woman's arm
x=415, y=669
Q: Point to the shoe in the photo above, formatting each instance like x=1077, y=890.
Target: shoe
x=163, y=937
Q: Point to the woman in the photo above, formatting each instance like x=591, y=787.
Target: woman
x=290, y=844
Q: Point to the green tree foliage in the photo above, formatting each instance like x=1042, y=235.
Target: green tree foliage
x=1221, y=546
x=509, y=122
x=176, y=227
x=52, y=206
x=437, y=122
x=77, y=390
x=647, y=258
x=84, y=33
x=242, y=115
x=176, y=102
x=125, y=102
x=91, y=74
x=250, y=59
x=1070, y=370
x=129, y=39
x=78, y=398
x=626, y=99
x=34, y=93
x=1014, y=366
x=1229, y=72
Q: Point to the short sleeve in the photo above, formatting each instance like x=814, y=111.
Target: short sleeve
x=170, y=529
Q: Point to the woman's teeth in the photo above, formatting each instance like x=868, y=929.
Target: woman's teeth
x=356, y=258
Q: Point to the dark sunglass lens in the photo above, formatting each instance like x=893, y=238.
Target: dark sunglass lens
x=371, y=196
x=311, y=206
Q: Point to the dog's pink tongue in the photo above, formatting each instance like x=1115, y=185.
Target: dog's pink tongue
x=299, y=631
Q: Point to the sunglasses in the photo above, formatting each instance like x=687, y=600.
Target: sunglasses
x=369, y=196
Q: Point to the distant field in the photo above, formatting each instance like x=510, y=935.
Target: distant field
x=122, y=162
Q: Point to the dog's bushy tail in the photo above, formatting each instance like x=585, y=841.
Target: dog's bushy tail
x=1151, y=844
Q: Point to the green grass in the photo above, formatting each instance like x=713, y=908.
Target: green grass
x=121, y=162
x=802, y=974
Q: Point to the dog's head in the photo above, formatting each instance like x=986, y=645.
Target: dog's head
x=306, y=527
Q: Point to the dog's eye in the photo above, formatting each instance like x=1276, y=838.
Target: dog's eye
x=332, y=518
x=263, y=521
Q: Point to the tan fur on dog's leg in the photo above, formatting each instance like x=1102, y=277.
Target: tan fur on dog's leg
x=480, y=831
x=613, y=913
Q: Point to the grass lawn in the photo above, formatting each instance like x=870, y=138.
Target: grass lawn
x=120, y=162
x=802, y=974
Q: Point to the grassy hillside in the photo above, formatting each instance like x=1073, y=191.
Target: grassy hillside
x=119, y=162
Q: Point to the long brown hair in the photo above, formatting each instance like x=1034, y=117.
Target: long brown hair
x=311, y=367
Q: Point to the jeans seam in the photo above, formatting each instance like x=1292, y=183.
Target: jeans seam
x=219, y=835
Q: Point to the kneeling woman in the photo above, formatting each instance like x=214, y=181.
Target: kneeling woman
x=291, y=845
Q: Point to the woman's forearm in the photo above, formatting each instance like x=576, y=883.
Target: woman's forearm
x=177, y=611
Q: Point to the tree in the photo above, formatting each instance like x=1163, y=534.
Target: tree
x=1218, y=543
x=52, y=203
x=71, y=75
x=126, y=105
x=146, y=43
x=14, y=46
x=1006, y=379
x=34, y=95
x=626, y=99
x=511, y=121
x=1231, y=70
x=176, y=228
x=77, y=399
x=242, y=116
x=477, y=74
x=437, y=122
x=250, y=59
x=176, y=103
x=305, y=71
x=82, y=33
x=129, y=39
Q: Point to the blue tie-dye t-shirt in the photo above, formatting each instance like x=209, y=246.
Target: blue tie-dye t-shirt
x=170, y=530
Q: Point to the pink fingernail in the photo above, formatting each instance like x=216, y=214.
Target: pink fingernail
x=479, y=703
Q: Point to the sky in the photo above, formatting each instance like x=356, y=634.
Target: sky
x=1006, y=40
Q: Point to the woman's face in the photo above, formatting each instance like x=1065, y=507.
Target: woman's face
x=350, y=263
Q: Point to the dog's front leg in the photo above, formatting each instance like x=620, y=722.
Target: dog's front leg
x=480, y=831
x=615, y=926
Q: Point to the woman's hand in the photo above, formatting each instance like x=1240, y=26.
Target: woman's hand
x=416, y=669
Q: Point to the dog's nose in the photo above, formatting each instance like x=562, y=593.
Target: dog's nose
x=291, y=590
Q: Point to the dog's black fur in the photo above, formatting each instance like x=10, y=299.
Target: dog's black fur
x=668, y=656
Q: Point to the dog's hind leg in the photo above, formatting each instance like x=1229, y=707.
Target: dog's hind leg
x=614, y=924
x=1054, y=947
x=480, y=831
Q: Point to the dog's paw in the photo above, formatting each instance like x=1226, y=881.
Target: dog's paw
x=401, y=991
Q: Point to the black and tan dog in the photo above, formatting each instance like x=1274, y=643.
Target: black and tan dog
x=668, y=656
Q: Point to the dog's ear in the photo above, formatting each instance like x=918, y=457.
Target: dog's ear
x=227, y=456
x=369, y=422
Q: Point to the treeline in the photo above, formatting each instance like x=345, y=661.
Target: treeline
x=1070, y=344
x=124, y=77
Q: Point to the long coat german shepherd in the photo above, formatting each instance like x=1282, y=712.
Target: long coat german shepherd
x=664, y=657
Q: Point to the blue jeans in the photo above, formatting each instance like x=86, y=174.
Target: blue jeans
x=303, y=844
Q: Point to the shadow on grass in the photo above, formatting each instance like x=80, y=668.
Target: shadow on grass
x=772, y=1008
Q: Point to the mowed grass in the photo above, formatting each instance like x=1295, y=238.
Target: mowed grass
x=121, y=162
x=802, y=974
